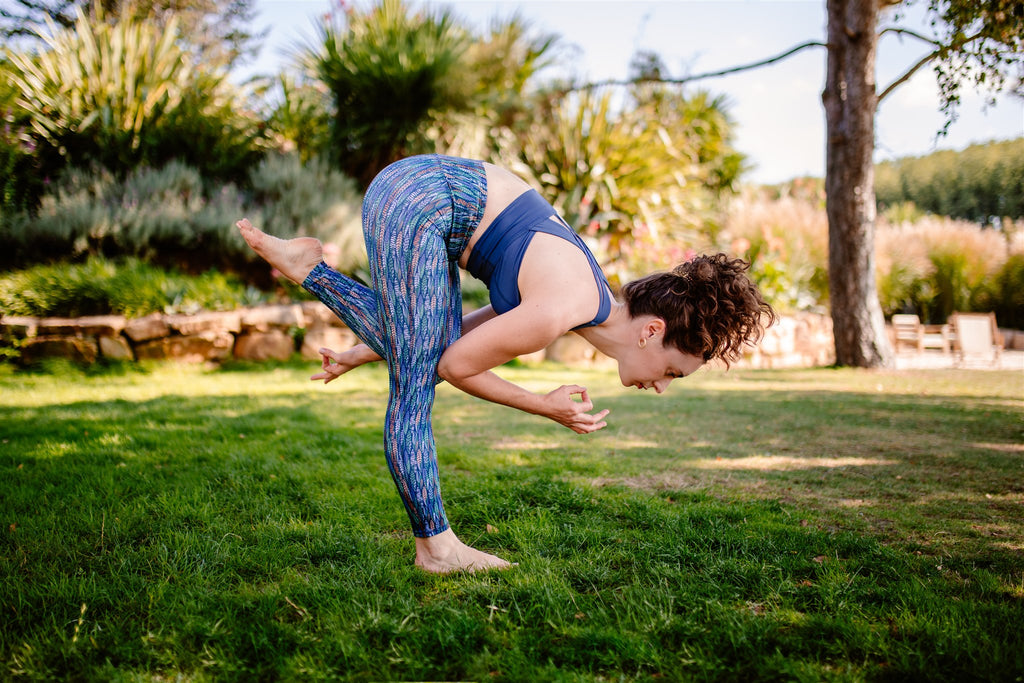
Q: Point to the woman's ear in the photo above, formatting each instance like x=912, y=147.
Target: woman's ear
x=655, y=327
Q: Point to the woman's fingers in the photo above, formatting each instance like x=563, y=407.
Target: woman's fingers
x=575, y=414
x=327, y=376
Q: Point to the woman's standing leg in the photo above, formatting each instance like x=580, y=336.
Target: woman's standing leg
x=406, y=212
x=409, y=215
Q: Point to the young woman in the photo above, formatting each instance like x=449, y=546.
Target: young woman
x=426, y=216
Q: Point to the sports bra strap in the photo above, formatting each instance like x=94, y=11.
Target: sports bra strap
x=502, y=246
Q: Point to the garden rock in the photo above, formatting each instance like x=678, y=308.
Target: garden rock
x=17, y=327
x=200, y=323
x=89, y=326
x=149, y=327
x=262, y=319
x=193, y=348
x=273, y=344
x=76, y=349
x=326, y=336
x=115, y=348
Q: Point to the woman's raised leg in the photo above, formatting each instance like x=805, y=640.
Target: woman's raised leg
x=301, y=261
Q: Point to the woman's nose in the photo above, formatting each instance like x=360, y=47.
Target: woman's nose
x=661, y=385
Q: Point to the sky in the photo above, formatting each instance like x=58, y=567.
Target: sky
x=777, y=112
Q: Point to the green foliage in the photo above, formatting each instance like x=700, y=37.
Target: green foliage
x=20, y=181
x=130, y=288
x=1009, y=293
x=292, y=198
x=126, y=94
x=387, y=69
x=935, y=267
x=983, y=183
x=170, y=216
x=214, y=30
x=644, y=181
x=980, y=43
x=301, y=121
x=498, y=91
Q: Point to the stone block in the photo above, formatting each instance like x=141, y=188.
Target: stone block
x=18, y=327
x=334, y=338
x=88, y=326
x=571, y=349
x=272, y=344
x=214, y=322
x=77, y=349
x=115, y=348
x=152, y=326
x=315, y=313
x=265, y=317
x=194, y=348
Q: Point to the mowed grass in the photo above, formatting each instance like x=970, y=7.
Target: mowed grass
x=240, y=524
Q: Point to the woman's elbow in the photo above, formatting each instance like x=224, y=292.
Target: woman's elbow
x=446, y=370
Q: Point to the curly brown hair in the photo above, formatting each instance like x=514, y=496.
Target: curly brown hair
x=710, y=306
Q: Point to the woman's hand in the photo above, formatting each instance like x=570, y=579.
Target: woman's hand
x=568, y=412
x=335, y=364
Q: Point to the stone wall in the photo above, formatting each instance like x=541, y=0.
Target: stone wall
x=278, y=332
x=264, y=333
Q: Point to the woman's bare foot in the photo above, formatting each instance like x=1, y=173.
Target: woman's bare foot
x=445, y=553
x=295, y=258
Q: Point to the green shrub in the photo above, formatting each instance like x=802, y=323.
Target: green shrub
x=936, y=266
x=301, y=121
x=980, y=183
x=1009, y=287
x=126, y=93
x=291, y=198
x=171, y=216
x=20, y=180
x=130, y=288
x=387, y=68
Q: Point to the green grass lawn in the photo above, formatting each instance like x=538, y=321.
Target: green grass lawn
x=240, y=524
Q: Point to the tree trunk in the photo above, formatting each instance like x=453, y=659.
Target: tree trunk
x=850, y=102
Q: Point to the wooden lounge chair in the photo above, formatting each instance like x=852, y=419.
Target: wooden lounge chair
x=908, y=331
x=976, y=337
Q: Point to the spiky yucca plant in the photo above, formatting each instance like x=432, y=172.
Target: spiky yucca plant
x=642, y=177
x=387, y=68
x=126, y=93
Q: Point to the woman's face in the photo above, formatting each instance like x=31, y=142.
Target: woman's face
x=655, y=365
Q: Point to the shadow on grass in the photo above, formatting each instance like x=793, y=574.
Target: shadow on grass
x=938, y=474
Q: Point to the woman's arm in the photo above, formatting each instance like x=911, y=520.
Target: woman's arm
x=474, y=319
x=467, y=364
x=335, y=364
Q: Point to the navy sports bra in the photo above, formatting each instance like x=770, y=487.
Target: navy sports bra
x=498, y=255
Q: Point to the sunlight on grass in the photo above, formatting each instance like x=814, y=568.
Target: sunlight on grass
x=240, y=524
x=784, y=463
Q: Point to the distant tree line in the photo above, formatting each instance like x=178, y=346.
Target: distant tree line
x=983, y=183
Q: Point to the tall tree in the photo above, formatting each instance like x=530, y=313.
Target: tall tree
x=850, y=102
x=972, y=41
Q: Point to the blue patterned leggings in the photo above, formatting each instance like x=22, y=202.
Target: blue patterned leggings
x=418, y=216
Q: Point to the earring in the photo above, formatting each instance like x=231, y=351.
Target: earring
x=642, y=343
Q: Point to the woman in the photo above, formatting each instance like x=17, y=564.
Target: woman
x=423, y=218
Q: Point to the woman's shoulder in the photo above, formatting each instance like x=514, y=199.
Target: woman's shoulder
x=556, y=276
